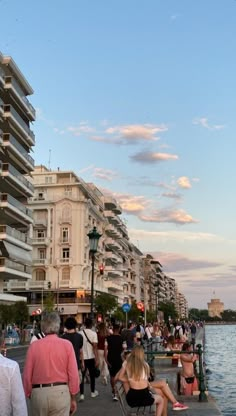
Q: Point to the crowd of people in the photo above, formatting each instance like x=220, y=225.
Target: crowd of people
x=57, y=367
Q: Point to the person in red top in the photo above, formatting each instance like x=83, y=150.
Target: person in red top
x=50, y=376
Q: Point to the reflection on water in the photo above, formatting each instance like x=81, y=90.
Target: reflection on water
x=221, y=361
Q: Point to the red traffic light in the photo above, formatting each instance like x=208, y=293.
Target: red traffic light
x=140, y=306
x=101, y=269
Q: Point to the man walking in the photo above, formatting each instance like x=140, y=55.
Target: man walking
x=90, y=352
x=113, y=350
x=76, y=340
x=50, y=376
x=12, y=398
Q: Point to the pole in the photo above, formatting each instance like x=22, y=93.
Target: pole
x=57, y=290
x=92, y=286
x=126, y=319
x=42, y=298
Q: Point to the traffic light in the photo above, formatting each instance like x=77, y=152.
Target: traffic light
x=101, y=269
x=49, y=285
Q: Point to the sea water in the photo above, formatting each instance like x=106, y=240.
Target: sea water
x=220, y=359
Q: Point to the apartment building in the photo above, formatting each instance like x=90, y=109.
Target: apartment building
x=16, y=142
x=182, y=306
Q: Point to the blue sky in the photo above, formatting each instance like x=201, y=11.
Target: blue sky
x=139, y=98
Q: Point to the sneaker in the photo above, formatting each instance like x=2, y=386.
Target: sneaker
x=179, y=406
x=105, y=381
x=81, y=399
x=94, y=394
x=115, y=398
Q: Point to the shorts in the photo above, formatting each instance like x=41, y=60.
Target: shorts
x=139, y=398
x=114, y=368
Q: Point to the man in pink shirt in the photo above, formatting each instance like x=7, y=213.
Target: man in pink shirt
x=50, y=376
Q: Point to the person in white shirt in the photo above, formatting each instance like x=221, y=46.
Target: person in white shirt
x=91, y=361
x=12, y=396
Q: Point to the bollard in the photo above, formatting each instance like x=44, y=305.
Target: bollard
x=202, y=387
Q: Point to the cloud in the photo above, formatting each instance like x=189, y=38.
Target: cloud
x=177, y=236
x=131, y=204
x=83, y=128
x=105, y=174
x=168, y=215
x=172, y=195
x=173, y=262
x=184, y=182
x=152, y=157
x=136, y=132
x=203, y=121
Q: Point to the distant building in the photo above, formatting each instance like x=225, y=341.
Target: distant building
x=16, y=142
x=215, y=308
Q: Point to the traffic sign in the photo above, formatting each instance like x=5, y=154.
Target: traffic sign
x=126, y=307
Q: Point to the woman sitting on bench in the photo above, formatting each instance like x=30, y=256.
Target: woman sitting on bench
x=134, y=375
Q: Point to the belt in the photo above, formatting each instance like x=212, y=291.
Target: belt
x=57, y=383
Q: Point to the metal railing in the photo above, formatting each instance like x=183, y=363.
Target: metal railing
x=151, y=354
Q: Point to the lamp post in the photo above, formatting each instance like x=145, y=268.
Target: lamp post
x=57, y=269
x=93, y=236
x=157, y=293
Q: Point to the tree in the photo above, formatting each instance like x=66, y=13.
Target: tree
x=168, y=308
x=20, y=313
x=6, y=314
x=105, y=303
x=49, y=302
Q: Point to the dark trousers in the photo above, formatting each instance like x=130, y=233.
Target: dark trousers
x=90, y=366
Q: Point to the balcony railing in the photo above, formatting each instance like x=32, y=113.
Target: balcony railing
x=12, y=201
x=42, y=262
x=10, y=82
x=21, y=124
x=6, y=229
x=6, y=167
x=8, y=139
x=15, y=266
x=40, y=240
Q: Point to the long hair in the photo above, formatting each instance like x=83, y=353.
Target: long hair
x=102, y=330
x=136, y=367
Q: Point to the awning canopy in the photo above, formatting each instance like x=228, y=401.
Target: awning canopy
x=15, y=253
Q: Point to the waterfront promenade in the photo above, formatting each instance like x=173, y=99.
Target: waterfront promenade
x=104, y=405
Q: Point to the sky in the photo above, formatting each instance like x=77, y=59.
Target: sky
x=138, y=97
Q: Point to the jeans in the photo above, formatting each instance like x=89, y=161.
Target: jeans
x=90, y=366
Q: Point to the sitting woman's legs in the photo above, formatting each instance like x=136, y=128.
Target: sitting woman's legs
x=159, y=402
x=163, y=386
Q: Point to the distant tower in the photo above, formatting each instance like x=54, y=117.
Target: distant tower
x=215, y=307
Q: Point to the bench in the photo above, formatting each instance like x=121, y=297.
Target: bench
x=132, y=411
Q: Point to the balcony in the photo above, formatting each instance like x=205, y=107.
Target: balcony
x=12, y=85
x=65, y=220
x=40, y=241
x=66, y=260
x=18, y=151
x=14, y=208
x=12, y=270
x=109, y=255
x=109, y=242
x=111, y=204
x=19, y=124
x=16, y=180
x=1, y=107
x=113, y=272
x=40, y=262
x=14, y=236
x=113, y=286
x=41, y=222
x=2, y=74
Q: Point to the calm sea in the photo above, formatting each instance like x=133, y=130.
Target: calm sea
x=220, y=359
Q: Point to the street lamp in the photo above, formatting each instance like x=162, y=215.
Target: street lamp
x=93, y=236
x=58, y=285
x=157, y=293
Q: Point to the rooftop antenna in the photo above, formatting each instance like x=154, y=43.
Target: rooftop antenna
x=49, y=160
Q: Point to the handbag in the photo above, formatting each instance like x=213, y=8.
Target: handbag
x=189, y=380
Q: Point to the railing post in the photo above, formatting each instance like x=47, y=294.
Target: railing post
x=202, y=387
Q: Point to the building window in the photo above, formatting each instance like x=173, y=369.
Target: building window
x=48, y=179
x=41, y=254
x=68, y=191
x=40, y=234
x=65, y=273
x=40, y=274
x=65, y=235
x=65, y=254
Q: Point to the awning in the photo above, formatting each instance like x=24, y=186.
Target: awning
x=15, y=253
